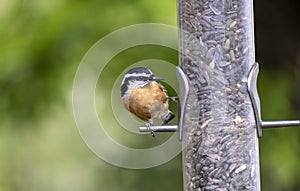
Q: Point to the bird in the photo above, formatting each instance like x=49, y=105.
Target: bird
x=145, y=97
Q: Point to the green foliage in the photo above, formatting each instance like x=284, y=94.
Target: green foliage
x=279, y=148
x=42, y=44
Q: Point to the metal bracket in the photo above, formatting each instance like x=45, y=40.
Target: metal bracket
x=252, y=90
x=254, y=97
x=183, y=96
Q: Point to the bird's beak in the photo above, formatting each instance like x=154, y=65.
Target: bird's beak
x=156, y=78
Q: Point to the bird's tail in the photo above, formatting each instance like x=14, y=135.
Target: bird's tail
x=168, y=117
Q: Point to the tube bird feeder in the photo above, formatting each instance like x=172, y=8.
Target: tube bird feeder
x=219, y=132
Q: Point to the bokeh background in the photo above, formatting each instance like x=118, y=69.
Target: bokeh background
x=41, y=45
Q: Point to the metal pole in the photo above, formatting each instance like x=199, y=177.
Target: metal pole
x=219, y=131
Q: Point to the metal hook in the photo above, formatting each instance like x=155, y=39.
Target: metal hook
x=183, y=95
x=252, y=90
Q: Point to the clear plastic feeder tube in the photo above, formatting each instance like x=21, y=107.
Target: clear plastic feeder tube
x=219, y=133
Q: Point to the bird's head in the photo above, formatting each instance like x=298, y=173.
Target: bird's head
x=137, y=77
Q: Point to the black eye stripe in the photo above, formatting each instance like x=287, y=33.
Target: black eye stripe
x=143, y=78
x=135, y=78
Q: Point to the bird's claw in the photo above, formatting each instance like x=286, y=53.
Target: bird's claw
x=175, y=98
x=151, y=131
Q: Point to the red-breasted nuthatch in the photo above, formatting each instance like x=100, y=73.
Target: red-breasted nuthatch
x=145, y=97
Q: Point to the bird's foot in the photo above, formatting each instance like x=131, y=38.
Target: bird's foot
x=151, y=131
x=175, y=98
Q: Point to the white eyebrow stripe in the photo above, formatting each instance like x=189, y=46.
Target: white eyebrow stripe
x=135, y=74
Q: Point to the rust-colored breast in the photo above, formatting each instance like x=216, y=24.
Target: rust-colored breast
x=142, y=99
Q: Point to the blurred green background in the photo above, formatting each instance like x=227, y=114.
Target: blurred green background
x=41, y=45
